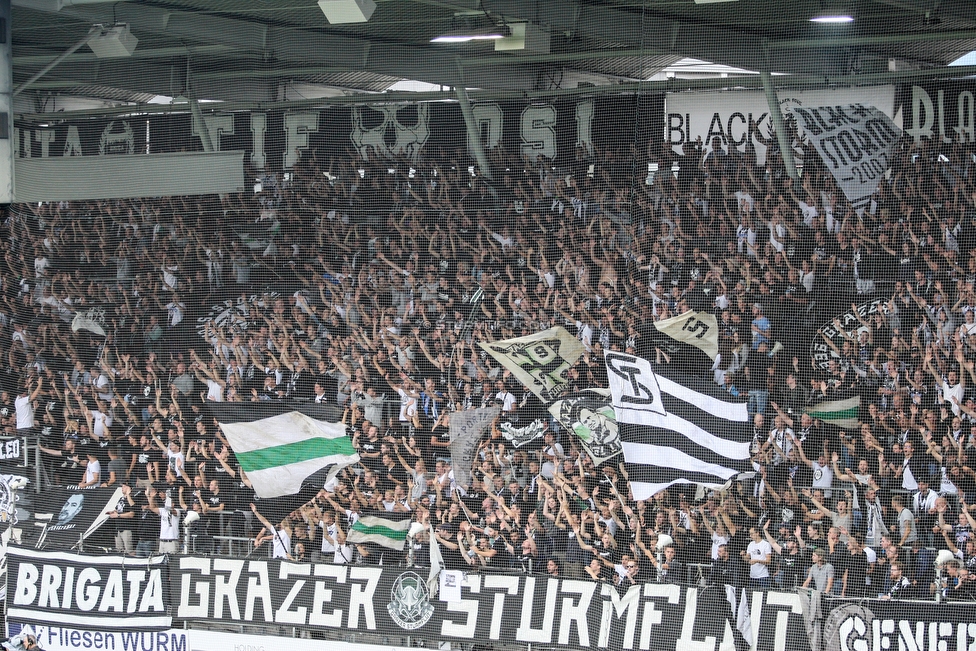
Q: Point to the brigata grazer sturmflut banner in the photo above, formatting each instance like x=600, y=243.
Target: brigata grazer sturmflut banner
x=112, y=595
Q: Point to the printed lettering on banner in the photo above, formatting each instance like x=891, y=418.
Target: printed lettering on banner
x=107, y=592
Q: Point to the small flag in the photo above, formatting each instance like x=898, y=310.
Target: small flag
x=520, y=436
x=675, y=428
x=281, y=446
x=436, y=560
x=467, y=428
x=698, y=329
x=386, y=529
x=841, y=413
x=92, y=320
x=590, y=416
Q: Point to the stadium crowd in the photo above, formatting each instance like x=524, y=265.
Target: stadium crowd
x=357, y=284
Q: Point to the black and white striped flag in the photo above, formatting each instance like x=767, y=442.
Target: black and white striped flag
x=676, y=428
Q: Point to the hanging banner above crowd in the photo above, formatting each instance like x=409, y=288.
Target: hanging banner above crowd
x=741, y=119
x=943, y=110
x=115, y=597
x=274, y=140
x=80, y=512
x=855, y=142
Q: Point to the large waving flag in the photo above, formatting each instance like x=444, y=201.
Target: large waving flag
x=675, y=428
x=540, y=361
x=384, y=528
x=282, y=447
x=467, y=429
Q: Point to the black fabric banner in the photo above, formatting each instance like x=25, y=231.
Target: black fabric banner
x=494, y=607
x=117, y=593
x=942, y=110
x=75, y=513
x=555, y=129
x=97, y=592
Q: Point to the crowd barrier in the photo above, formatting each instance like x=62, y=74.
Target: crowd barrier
x=125, y=597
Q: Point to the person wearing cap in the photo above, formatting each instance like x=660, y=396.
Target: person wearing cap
x=791, y=561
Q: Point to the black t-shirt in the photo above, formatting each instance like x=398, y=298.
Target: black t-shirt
x=794, y=568
x=146, y=456
x=857, y=571
x=70, y=469
x=122, y=507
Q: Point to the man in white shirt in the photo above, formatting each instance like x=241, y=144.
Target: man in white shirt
x=169, y=522
x=505, y=397
x=758, y=554
x=24, y=405
x=280, y=537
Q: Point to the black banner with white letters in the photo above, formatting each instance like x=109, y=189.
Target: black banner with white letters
x=97, y=592
x=117, y=593
x=504, y=608
x=273, y=140
x=941, y=110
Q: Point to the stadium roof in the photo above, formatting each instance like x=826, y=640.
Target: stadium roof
x=267, y=51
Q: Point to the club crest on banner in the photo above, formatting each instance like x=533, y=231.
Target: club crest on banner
x=9, y=484
x=848, y=627
x=410, y=606
x=633, y=383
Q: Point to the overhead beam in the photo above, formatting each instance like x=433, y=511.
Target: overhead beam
x=887, y=39
x=470, y=62
x=139, y=53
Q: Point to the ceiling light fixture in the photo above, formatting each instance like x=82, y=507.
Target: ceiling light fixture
x=492, y=35
x=832, y=18
x=833, y=12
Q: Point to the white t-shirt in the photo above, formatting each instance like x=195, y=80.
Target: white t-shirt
x=169, y=523
x=100, y=422
x=25, y=412
x=332, y=530
x=508, y=400
x=282, y=543
x=92, y=472
x=761, y=550
x=215, y=392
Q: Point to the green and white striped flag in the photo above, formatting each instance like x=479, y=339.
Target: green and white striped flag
x=282, y=446
x=842, y=413
x=386, y=529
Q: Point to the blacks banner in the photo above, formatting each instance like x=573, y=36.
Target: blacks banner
x=97, y=592
x=74, y=513
x=553, y=129
x=943, y=110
